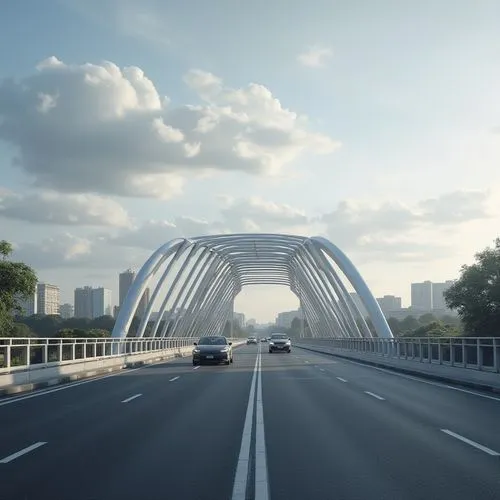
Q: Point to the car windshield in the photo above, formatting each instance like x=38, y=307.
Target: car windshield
x=279, y=336
x=252, y=337
x=212, y=341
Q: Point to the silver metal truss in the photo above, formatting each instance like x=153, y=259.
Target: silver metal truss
x=195, y=281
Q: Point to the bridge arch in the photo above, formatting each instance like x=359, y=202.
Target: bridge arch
x=195, y=281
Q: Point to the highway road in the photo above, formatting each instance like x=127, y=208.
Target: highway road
x=272, y=426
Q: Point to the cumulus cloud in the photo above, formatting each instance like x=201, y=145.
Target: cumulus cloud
x=154, y=233
x=365, y=227
x=257, y=215
x=456, y=207
x=104, y=129
x=315, y=56
x=387, y=231
x=354, y=226
x=70, y=251
x=50, y=207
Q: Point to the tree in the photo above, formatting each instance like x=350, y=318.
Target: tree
x=427, y=319
x=394, y=325
x=409, y=324
x=17, y=280
x=105, y=323
x=476, y=294
x=98, y=333
x=5, y=249
x=21, y=330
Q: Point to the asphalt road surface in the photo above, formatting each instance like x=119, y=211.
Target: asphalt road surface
x=271, y=426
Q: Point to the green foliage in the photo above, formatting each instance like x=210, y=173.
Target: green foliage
x=5, y=249
x=54, y=326
x=21, y=330
x=426, y=325
x=434, y=329
x=73, y=333
x=476, y=294
x=16, y=280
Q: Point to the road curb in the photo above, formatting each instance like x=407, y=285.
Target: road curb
x=95, y=373
x=409, y=371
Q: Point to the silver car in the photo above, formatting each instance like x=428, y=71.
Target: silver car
x=280, y=342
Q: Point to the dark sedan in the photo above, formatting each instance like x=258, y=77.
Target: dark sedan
x=214, y=349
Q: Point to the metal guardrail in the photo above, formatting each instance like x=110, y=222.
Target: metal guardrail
x=18, y=354
x=478, y=353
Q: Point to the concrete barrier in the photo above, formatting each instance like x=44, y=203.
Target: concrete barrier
x=29, y=380
x=50, y=374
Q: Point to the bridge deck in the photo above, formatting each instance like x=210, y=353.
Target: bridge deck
x=325, y=428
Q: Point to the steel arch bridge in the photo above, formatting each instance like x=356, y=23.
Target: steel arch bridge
x=195, y=281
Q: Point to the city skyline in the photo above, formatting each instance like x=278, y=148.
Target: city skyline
x=436, y=300
x=351, y=124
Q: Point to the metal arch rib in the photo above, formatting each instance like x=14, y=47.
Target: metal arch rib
x=213, y=269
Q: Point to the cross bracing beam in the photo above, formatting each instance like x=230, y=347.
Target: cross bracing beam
x=195, y=281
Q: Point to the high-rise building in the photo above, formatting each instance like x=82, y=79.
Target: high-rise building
x=239, y=319
x=83, y=302
x=66, y=311
x=421, y=296
x=125, y=282
x=389, y=303
x=143, y=304
x=92, y=302
x=101, y=302
x=28, y=305
x=438, y=290
x=48, y=298
x=284, y=319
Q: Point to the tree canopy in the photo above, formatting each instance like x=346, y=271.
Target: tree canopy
x=476, y=294
x=17, y=280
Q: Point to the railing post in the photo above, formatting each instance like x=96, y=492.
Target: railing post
x=45, y=352
x=479, y=354
x=464, y=353
x=496, y=355
x=28, y=354
x=7, y=355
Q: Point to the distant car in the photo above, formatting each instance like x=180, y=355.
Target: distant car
x=280, y=342
x=263, y=339
x=251, y=340
x=213, y=349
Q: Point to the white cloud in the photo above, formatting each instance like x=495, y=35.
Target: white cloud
x=69, y=251
x=387, y=232
x=50, y=207
x=99, y=128
x=154, y=233
x=315, y=56
x=257, y=215
x=396, y=230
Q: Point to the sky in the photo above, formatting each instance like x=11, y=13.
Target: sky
x=124, y=124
